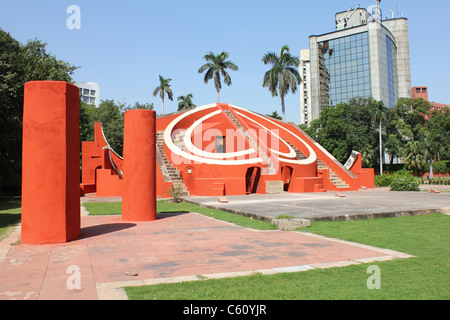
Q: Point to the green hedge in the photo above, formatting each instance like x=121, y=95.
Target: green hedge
x=398, y=181
x=438, y=167
x=404, y=182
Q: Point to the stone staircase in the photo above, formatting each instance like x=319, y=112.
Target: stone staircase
x=300, y=155
x=334, y=178
x=270, y=169
x=167, y=168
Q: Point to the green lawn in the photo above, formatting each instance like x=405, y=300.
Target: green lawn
x=424, y=278
x=115, y=208
x=10, y=209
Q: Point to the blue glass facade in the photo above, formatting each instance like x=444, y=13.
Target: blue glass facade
x=392, y=71
x=344, y=69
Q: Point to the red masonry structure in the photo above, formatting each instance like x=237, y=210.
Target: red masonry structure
x=221, y=149
x=139, y=170
x=50, y=163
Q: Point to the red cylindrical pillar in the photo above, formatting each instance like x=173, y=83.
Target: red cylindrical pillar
x=139, y=166
x=50, y=163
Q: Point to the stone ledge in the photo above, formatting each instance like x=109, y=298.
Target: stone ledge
x=291, y=224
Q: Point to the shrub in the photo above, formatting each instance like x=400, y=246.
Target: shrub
x=404, y=181
x=441, y=167
x=438, y=167
x=384, y=180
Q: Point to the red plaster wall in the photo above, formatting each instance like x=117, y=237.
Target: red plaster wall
x=50, y=163
x=139, y=189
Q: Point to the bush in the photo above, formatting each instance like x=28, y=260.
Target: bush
x=443, y=181
x=438, y=167
x=384, y=180
x=441, y=167
x=404, y=181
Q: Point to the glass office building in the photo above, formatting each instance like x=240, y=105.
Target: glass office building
x=346, y=64
x=368, y=58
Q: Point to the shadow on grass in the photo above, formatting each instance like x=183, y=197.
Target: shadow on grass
x=9, y=219
x=8, y=202
x=10, y=209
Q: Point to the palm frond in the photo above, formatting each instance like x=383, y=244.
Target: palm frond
x=209, y=75
x=204, y=67
x=217, y=80
x=270, y=58
x=226, y=78
x=155, y=92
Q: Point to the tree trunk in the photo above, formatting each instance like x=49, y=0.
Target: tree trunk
x=162, y=106
x=283, y=113
x=381, y=151
x=217, y=96
x=431, y=168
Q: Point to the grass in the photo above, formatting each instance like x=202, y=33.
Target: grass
x=10, y=209
x=163, y=206
x=425, y=277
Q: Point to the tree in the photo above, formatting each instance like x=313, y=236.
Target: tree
x=87, y=121
x=275, y=115
x=346, y=127
x=141, y=106
x=380, y=116
x=19, y=64
x=411, y=115
x=217, y=66
x=163, y=89
x=439, y=125
x=185, y=102
x=414, y=156
x=432, y=148
x=111, y=115
x=283, y=76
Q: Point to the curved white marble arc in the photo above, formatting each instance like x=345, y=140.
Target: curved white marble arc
x=312, y=155
x=291, y=153
x=172, y=147
x=190, y=146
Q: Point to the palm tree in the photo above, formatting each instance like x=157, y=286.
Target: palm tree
x=432, y=148
x=275, y=115
x=380, y=114
x=185, y=102
x=283, y=76
x=163, y=89
x=216, y=66
x=414, y=155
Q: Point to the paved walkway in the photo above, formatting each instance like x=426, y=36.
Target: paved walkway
x=177, y=247
x=363, y=204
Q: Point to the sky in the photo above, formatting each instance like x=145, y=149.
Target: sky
x=126, y=45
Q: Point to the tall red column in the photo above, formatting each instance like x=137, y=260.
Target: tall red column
x=50, y=163
x=139, y=166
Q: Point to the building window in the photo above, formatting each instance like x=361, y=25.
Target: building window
x=344, y=69
x=392, y=71
x=220, y=144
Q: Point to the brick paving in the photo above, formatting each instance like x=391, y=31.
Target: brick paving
x=175, y=247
